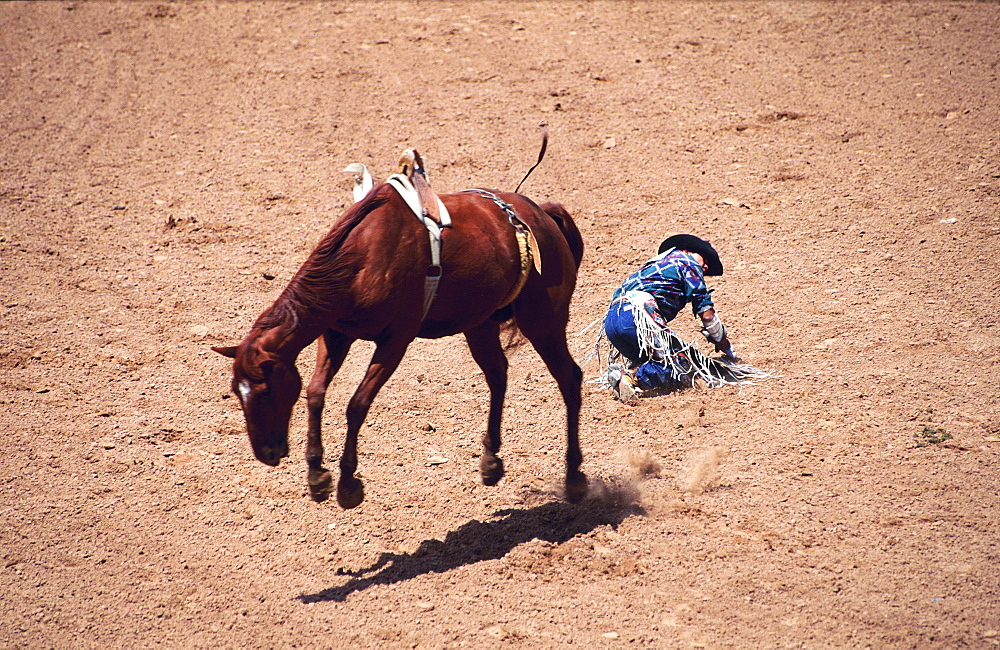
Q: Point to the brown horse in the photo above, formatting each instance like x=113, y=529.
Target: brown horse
x=365, y=280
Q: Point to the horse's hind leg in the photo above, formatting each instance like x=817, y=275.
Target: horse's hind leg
x=484, y=343
x=550, y=343
x=331, y=350
x=388, y=354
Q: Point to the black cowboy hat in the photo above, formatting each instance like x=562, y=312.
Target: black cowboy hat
x=694, y=244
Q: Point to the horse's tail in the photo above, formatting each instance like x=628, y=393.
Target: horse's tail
x=561, y=216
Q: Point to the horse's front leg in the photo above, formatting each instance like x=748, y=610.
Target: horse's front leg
x=331, y=350
x=388, y=354
x=484, y=343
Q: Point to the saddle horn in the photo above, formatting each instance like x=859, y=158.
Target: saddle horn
x=410, y=163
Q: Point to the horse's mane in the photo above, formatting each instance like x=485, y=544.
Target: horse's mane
x=321, y=277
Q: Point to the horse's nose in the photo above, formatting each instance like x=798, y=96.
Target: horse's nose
x=271, y=455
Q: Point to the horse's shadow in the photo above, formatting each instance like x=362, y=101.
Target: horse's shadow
x=477, y=541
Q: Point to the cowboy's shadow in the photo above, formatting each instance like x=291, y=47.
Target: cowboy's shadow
x=476, y=541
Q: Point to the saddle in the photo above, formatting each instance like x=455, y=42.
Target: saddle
x=412, y=185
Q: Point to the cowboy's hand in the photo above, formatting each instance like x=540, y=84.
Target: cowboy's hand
x=726, y=348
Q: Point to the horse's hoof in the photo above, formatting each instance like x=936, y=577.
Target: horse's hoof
x=320, y=484
x=491, y=469
x=350, y=492
x=576, y=487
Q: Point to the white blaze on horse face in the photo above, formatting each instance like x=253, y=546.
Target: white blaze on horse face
x=244, y=388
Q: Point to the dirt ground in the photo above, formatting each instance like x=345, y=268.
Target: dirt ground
x=166, y=167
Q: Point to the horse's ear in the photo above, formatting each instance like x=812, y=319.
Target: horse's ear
x=228, y=351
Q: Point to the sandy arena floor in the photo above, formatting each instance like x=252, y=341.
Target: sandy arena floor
x=166, y=167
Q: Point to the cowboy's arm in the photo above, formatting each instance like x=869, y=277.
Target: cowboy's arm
x=715, y=332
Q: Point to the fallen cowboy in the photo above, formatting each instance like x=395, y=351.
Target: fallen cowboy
x=645, y=354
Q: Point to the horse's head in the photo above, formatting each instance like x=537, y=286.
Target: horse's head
x=267, y=387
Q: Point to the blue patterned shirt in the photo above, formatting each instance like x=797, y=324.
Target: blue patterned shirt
x=673, y=279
